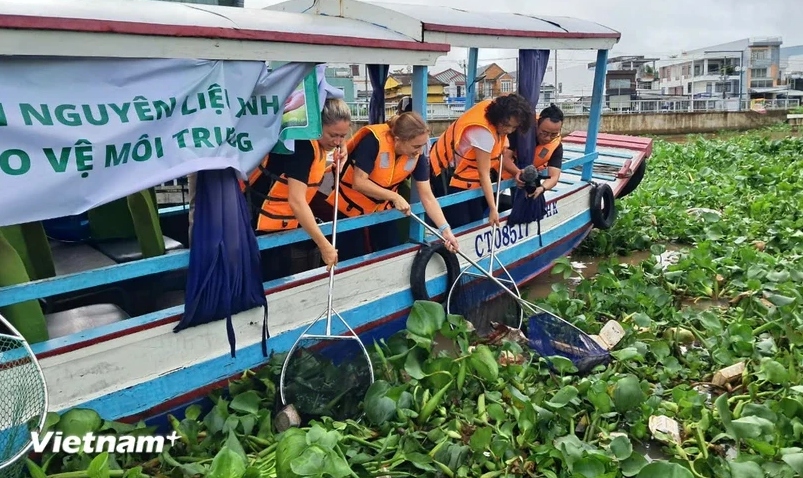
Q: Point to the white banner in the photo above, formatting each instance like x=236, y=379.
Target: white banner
x=75, y=134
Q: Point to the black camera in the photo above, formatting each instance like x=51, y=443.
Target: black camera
x=530, y=178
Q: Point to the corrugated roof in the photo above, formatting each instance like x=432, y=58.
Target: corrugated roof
x=451, y=75
x=407, y=79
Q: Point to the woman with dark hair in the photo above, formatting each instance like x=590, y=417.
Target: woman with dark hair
x=474, y=145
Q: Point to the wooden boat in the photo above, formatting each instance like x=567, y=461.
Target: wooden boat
x=111, y=312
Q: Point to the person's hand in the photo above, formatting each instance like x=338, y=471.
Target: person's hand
x=493, y=218
x=329, y=256
x=450, y=241
x=401, y=205
x=519, y=182
x=339, y=157
x=539, y=190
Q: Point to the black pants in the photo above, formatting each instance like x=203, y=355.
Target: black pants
x=466, y=212
x=358, y=242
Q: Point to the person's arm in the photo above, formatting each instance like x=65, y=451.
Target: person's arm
x=364, y=156
x=484, y=168
x=301, y=210
x=553, y=170
x=482, y=141
x=297, y=167
x=434, y=211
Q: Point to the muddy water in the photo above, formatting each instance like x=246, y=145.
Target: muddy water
x=541, y=286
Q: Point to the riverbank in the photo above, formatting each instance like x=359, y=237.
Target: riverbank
x=674, y=123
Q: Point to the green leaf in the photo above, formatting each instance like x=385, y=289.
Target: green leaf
x=633, y=464
x=628, y=353
x=227, y=464
x=312, y=462
x=589, y=467
x=246, y=402
x=484, y=364
x=99, y=467
x=412, y=365
x=795, y=461
x=752, y=427
x=779, y=300
x=425, y=318
x=34, y=469
x=773, y=372
x=481, y=439
x=627, y=393
x=420, y=461
x=79, y=421
x=378, y=407
x=562, y=364
x=318, y=435
x=664, y=469
x=621, y=447
x=745, y=469
x=563, y=397
x=193, y=412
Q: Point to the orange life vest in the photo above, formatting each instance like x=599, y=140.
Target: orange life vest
x=543, y=153
x=389, y=172
x=276, y=213
x=444, y=152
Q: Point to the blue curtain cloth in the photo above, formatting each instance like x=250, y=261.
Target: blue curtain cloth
x=376, y=108
x=224, y=276
x=532, y=67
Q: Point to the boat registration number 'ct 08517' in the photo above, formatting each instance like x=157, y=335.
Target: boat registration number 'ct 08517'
x=506, y=235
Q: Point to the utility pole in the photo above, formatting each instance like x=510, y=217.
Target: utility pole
x=556, y=76
x=741, y=70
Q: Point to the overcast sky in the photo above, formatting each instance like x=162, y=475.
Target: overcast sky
x=659, y=28
x=656, y=29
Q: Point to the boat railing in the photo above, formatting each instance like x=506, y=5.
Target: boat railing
x=177, y=260
x=180, y=259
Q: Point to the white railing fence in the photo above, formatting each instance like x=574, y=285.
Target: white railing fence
x=359, y=111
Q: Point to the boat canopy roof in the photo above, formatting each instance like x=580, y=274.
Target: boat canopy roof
x=466, y=28
x=159, y=29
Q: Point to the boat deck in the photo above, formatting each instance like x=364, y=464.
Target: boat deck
x=620, y=157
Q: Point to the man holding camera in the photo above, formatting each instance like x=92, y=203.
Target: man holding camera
x=548, y=156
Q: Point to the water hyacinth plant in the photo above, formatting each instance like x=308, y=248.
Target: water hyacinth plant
x=449, y=404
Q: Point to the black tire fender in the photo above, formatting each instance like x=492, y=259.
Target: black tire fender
x=603, y=206
x=634, y=180
x=418, y=285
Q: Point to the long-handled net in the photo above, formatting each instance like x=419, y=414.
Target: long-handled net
x=23, y=400
x=548, y=334
x=325, y=374
x=479, y=300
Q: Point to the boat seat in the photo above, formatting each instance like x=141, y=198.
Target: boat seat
x=127, y=250
x=128, y=229
x=28, y=317
x=70, y=258
x=76, y=320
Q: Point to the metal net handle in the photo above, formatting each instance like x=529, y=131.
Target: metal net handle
x=16, y=336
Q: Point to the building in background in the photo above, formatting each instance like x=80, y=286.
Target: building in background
x=492, y=81
x=342, y=77
x=750, y=67
x=399, y=84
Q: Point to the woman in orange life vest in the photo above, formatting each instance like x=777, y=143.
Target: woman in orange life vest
x=381, y=157
x=548, y=154
x=474, y=145
x=291, y=181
